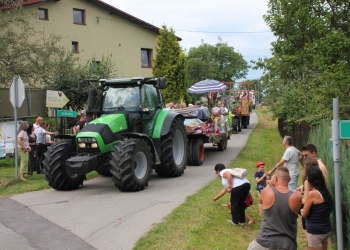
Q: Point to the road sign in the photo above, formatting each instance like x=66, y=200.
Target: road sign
x=66, y=113
x=55, y=99
x=19, y=91
x=344, y=130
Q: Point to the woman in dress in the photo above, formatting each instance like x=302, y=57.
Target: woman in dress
x=23, y=149
x=317, y=208
x=33, y=154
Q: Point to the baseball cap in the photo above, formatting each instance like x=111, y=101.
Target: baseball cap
x=259, y=163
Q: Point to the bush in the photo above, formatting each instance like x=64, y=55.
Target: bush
x=320, y=136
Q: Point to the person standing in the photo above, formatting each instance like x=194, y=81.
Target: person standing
x=317, y=209
x=33, y=154
x=280, y=206
x=311, y=150
x=80, y=124
x=23, y=149
x=38, y=120
x=239, y=189
x=260, y=179
x=41, y=142
x=290, y=160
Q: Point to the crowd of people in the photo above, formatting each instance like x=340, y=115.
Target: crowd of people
x=33, y=141
x=281, y=201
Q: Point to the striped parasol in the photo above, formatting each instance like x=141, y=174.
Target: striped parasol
x=207, y=86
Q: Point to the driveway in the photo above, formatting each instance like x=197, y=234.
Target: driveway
x=98, y=216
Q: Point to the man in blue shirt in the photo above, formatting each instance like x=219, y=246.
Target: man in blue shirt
x=202, y=112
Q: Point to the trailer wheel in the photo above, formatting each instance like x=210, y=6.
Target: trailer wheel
x=197, y=152
x=189, y=151
x=173, y=151
x=222, y=145
x=55, y=168
x=131, y=164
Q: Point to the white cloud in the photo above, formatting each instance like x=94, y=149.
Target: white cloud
x=211, y=16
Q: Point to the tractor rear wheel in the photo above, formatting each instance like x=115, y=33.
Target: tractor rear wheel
x=55, y=169
x=131, y=164
x=173, y=151
x=197, y=152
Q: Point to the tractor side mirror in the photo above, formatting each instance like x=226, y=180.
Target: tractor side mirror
x=161, y=83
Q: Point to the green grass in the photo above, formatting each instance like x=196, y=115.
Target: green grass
x=200, y=223
x=9, y=185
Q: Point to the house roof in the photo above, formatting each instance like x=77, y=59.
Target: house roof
x=111, y=9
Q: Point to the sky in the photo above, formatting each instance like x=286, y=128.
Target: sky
x=228, y=19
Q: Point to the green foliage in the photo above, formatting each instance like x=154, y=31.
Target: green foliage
x=70, y=73
x=219, y=62
x=32, y=54
x=310, y=63
x=320, y=136
x=170, y=62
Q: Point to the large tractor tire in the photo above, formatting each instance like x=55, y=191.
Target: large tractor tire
x=189, y=152
x=55, y=169
x=131, y=164
x=222, y=145
x=197, y=152
x=105, y=169
x=173, y=151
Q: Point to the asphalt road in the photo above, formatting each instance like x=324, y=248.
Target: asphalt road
x=99, y=216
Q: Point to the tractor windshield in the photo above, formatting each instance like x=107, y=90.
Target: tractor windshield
x=127, y=99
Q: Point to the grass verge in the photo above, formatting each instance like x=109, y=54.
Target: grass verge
x=9, y=185
x=200, y=223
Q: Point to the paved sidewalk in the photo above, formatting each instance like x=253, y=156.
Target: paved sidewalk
x=22, y=229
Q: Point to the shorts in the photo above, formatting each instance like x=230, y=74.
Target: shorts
x=316, y=240
x=256, y=246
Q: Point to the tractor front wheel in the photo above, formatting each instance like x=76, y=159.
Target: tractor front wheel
x=131, y=164
x=55, y=169
x=173, y=151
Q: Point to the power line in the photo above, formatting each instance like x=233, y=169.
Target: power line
x=194, y=31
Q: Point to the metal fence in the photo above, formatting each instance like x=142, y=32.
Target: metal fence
x=299, y=132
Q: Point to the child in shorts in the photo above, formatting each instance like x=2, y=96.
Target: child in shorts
x=260, y=178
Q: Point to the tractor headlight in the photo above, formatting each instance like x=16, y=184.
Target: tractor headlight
x=94, y=145
x=82, y=145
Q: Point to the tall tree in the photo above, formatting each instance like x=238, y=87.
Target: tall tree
x=219, y=62
x=67, y=77
x=310, y=63
x=170, y=62
x=26, y=52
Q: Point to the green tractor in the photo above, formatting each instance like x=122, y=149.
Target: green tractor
x=128, y=133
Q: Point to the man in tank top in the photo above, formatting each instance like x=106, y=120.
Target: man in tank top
x=280, y=206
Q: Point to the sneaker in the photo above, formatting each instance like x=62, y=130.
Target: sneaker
x=231, y=222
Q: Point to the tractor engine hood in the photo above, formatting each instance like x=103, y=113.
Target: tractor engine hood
x=101, y=134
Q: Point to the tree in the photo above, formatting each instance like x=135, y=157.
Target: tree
x=170, y=62
x=67, y=77
x=26, y=52
x=219, y=62
x=310, y=63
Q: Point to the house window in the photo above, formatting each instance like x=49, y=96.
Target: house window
x=146, y=58
x=78, y=16
x=43, y=14
x=75, y=47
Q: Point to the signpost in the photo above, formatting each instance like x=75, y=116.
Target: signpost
x=66, y=113
x=344, y=130
x=55, y=99
x=17, y=96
